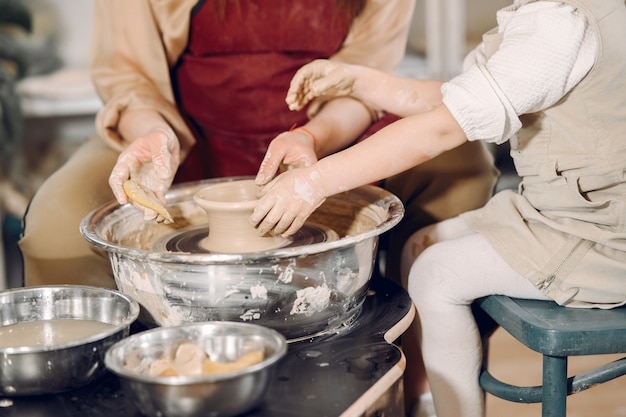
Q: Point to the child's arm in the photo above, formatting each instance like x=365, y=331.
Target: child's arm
x=398, y=95
x=324, y=78
x=290, y=198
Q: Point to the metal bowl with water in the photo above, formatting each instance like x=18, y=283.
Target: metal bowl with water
x=48, y=366
x=218, y=394
x=314, y=285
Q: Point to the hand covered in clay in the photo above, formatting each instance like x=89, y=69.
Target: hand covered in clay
x=293, y=149
x=320, y=78
x=150, y=161
x=288, y=201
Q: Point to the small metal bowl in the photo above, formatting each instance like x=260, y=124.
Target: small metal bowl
x=213, y=395
x=54, y=367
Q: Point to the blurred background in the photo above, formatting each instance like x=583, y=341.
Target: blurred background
x=48, y=106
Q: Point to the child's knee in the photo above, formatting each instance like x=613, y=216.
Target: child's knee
x=425, y=277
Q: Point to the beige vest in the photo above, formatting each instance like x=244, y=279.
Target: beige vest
x=566, y=229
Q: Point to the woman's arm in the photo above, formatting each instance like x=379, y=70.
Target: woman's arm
x=130, y=56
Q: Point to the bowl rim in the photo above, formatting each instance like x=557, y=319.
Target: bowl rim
x=131, y=317
x=112, y=364
x=88, y=228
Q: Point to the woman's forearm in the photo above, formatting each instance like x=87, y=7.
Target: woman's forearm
x=137, y=123
x=338, y=124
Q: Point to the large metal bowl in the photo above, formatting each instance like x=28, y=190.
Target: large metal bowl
x=298, y=290
x=58, y=367
x=216, y=395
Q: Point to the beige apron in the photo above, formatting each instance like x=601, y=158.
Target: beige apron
x=566, y=228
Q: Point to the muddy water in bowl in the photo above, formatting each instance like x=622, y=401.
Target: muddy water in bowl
x=314, y=284
x=53, y=338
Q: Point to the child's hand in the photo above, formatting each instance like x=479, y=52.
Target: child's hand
x=288, y=201
x=293, y=149
x=320, y=78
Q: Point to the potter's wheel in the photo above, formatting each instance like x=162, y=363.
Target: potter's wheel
x=189, y=240
x=314, y=284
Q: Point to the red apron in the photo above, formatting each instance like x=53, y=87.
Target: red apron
x=231, y=81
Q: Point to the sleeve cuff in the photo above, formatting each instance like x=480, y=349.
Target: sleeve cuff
x=479, y=106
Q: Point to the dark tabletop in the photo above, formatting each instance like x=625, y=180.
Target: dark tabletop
x=318, y=377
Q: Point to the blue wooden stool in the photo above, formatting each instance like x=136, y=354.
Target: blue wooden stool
x=557, y=333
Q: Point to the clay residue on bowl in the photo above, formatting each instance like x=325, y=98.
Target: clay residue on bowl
x=299, y=290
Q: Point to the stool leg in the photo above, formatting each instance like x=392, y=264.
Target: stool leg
x=554, y=386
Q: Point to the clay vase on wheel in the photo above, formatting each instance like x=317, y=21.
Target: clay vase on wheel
x=229, y=206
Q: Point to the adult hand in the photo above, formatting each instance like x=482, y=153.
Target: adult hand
x=288, y=201
x=151, y=161
x=293, y=149
x=319, y=78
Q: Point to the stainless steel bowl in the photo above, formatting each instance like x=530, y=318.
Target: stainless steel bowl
x=216, y=395
x=59, y=367
x=298, y=290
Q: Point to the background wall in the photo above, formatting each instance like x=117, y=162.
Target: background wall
x=480, y=18
x=59, y=109
x=67, y=23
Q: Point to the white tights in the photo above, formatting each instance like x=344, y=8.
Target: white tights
x=455, y=266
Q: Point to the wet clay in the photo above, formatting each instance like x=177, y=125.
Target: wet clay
x=50, y=332
x=228, y=206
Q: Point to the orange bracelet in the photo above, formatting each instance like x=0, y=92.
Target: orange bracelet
x=307, y=131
